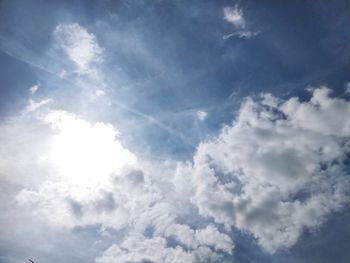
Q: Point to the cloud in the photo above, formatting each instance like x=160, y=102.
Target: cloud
x=202, y=115
x=278, y=169
x=347, y=87
x=133, y=203
x=98, y=182
x=24, y=142
x=81, y=150
x=138, y=249
x=234, y=15
x=80, y=46
x=241, y=34
x=34, y=89
x=35, y=105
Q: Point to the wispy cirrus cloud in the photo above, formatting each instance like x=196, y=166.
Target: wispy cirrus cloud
x=234, y=16
x=35, y=105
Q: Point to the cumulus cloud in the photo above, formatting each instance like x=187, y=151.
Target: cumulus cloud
x=135, y=203
x=138, y=249
x=80, y=46
x=86, y=177
x=24, y=141
x=278, y=169
x=99, y=182
x=131, y=203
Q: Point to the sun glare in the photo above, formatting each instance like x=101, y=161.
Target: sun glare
x=86, y=153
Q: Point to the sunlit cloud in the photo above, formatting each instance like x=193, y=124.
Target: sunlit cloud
x=125, y=146
x=278, y=169
x=84, y=152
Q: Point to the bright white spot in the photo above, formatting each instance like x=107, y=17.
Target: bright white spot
x=234, y=15
x=86, y=153
x=202, y=115
x=34, y=89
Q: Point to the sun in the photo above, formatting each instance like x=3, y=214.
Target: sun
x=86, y=153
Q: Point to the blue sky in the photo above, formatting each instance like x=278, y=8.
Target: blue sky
x=174, y=131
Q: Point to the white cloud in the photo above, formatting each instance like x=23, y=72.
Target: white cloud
x=85, y=152
x=99, y=182
x=34, y=89
x=35, y=105
x=136, y=248
x=234, y=15
x=210, y=236
x=276, y=170
x=202, y=115
x=134, y=202
x=80, y=46
x=241, y=34
x=24, y=140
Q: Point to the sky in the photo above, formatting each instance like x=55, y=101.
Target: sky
x=176, y=131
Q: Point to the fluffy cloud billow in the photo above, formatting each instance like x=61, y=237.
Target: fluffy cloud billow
x=95, y=186
x=277, y=170
x=274, y=172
